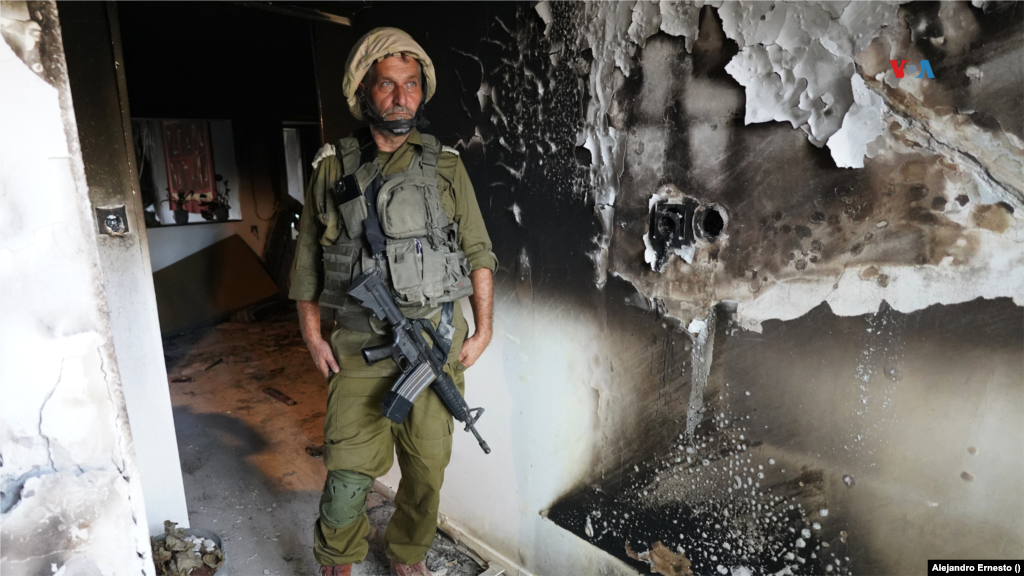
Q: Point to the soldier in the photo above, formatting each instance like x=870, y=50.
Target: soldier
x=392, y=197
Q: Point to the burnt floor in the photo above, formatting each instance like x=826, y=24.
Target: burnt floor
x=245, y=455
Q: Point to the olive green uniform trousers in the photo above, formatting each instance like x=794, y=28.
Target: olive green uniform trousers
x=358, y=439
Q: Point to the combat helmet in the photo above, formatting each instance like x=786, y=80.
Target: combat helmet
x=376, y=45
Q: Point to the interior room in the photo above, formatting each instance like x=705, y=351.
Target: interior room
x=757, y=306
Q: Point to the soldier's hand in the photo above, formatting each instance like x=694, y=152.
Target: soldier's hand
x=473, y=347
x=323, y=357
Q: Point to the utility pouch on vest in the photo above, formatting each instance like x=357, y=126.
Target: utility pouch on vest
x=424, y=275
x=410, y=207
x=457, y=267
x=417, y=272
x=342, y=263
x=351, y=204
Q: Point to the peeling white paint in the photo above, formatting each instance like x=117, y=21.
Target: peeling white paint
x=993, y=268
x=861, y=133
x=646, y=21
x=995, y=158
x=797, y=61
x=544, y=11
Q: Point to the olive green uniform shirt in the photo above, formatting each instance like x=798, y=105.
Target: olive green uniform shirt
x=320, y=226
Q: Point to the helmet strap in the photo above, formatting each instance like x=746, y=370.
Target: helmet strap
x=396, y=127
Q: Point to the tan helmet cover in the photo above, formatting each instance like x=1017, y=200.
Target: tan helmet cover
x=378, y=44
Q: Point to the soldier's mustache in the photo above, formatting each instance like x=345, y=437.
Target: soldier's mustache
x=397, y=110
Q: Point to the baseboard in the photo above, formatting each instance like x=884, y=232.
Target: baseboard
x=480, y=548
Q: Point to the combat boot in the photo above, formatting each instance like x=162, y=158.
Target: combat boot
x=417, y=569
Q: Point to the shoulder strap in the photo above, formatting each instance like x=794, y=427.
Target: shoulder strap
x=367, y=147
x=349, y=148
x=431, y=152
x=364, y=151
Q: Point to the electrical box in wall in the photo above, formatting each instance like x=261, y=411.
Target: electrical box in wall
x=112, y=221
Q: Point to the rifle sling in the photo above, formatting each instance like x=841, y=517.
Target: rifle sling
x=442, y=336
x=371, y=226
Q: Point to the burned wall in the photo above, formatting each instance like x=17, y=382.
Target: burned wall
x=71, y=497
x=801, y=229
x=512, y=106
x=683, y=111
x=836, y=445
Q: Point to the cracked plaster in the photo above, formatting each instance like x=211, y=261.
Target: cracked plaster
x=71, y=495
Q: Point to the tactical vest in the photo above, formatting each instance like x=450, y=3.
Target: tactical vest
x=423, y=265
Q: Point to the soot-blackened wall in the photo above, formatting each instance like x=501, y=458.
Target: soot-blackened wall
x=679, y=94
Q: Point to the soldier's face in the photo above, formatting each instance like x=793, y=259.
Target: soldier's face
x=393, y=87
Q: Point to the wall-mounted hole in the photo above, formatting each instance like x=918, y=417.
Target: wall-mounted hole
x=671, y=228
x=583, y=156
x=710, y=223
x=112, y=221
x=667, y=224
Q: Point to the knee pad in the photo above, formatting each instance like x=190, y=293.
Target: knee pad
x=344, y=497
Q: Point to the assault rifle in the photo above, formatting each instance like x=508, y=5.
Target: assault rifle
x=422, y=365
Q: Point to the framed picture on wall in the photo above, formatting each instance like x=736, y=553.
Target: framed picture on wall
x=187, y=171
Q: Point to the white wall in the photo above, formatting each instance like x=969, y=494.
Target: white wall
x=168, y=244
x=293, y=164
x=72, y=499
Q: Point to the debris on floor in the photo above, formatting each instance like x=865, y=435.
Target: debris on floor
x=176, y=553
x=444, y=557
x=662, y=560
x=279, y=396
